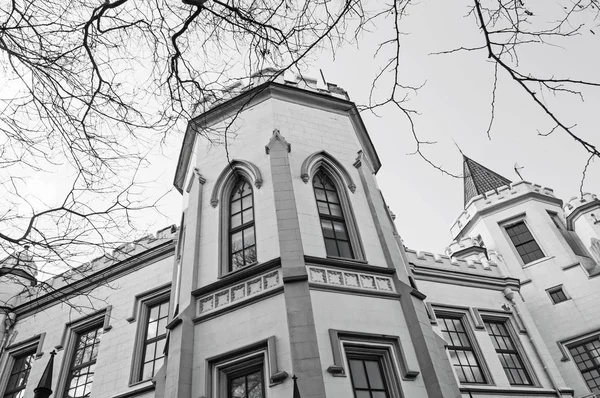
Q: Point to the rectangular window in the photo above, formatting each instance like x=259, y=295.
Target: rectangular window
x=557, y=294
x=17, y=381
x=367, y=376
x=460, y=349
x=155, y=337
x=587, y=359
x=524, y=242
x=247, y=384
x=508, y=354
x=83, y=363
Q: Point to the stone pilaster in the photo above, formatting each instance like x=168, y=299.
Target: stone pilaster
x=301, y=324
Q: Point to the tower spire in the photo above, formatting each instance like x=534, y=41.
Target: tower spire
x=44, y=388
x=479, y=179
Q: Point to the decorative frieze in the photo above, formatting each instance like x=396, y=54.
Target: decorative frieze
x=355, y=280
x=239, y=292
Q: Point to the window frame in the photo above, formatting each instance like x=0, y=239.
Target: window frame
x=231, y=231
x=556, y=289
x=71, y=368
x=225, y=217
x=464, y=316
x=142, y=307
x=512, y=221
x=582, y=342
x=517, y=350
x=385, y=360
x=98, y=319
x=13, y=352
x=533, y=239
x=348, y=216
x=221, y=367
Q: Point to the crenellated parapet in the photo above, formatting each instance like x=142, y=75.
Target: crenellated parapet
x=504, y=195
x=578, y=202
x=482, y=266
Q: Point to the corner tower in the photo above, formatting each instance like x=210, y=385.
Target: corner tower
x=288, y=262
x=550, y=250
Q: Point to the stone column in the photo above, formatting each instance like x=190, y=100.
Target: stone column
x=304, y=348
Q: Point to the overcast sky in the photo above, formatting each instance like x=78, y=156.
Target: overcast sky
x=454, y=106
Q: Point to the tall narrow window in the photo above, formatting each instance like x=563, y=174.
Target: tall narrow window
x=587, y=359
x=368, y=380
x=249, y=384
x=17, y=381
x=333, y=224
x=524, y=242
x=156, y=334
x=460, y=349
x=508, y=354
x=83, y=363
x=242, y=243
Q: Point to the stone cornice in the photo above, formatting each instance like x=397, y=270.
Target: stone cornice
x=464, y=279
x=501, y=205
x=348, y=264
x=93, y=280
x=260, y=93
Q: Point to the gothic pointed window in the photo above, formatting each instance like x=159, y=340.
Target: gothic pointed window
x=333, y=223
x=242, y=242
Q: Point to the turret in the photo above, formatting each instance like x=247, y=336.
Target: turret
x=583, y=217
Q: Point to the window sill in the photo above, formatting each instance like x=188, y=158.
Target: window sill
x=354, y=260
x=538, y=261
x=230, y=273
x=140, y=382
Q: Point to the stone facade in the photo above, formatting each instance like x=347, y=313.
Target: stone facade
x=296, y=306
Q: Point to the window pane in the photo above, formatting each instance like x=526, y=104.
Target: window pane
x=236, y=206
x=320, y=194
x=247, y=202
x=327, y=227
x=374, y=374
x=236, y=242
x=357, y=370
x=247, y=216
x=249, y=237
x=335, y=210
x=236, y=220
x=250, y=255
x=331, y=248
x=344, y=249
x=323, y=208
x=363, y=394
x=152, y=330
x=340, y=231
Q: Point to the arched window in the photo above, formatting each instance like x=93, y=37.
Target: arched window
x=242, y=242
x=333, y=223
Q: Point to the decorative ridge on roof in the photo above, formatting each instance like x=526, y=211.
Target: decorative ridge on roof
x=479, y=179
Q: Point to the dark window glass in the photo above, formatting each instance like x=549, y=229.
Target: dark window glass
x=155, y=338
x=247, y=385
x=524, y=242
x=242, y=243
x=587, y=359
x=367, y=378
x=460, y=349
x=333, y=224
x=508, y=354
x=83, y=364
x=17, y=381
x=557, y=294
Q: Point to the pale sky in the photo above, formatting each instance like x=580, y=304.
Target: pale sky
x=454, y=106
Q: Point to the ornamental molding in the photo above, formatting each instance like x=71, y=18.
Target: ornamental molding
x=324, y=158
x=239, y=292
x=351, y=279
x=236, y=166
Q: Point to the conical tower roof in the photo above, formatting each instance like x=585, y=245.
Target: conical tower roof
x=479, y=179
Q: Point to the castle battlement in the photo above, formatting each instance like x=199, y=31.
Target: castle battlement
x=442, y=261
x=578, y=201
x=493, y=197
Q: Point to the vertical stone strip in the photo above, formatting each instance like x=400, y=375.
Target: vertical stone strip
x=301, y=324
x=179, y=362
x=433, y=361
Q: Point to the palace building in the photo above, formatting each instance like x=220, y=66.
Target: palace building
x=287, y=278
